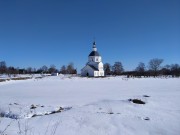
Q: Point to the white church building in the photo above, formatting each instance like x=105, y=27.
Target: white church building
x=94, y=66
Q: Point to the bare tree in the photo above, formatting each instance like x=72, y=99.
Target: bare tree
x=166, y=70
x=29, y=70
x=154, y=65
x=12, y=70
x=175, y=70
x=52, y=69
x=44, y=69
x=63, y=69
x=141, y=67
x=107, y=68
x=3, y=67
x=70, y=69
x=117, y=68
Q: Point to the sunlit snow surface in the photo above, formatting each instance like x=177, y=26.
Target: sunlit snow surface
x=91, y=106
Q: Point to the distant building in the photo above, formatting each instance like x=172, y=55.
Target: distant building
x=94, y=66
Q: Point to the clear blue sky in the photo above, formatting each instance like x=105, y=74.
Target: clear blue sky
x=44, y=32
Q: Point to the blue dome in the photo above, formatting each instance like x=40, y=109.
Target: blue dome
x=94, y=53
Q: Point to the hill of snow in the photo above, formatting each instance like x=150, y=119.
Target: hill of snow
x=90, y=106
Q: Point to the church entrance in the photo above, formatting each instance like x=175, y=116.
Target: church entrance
x=87, y=74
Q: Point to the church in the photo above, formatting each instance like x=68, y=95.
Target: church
x=94, y=66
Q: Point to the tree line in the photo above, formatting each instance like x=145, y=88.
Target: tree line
x=153, y=68
x=69, y=69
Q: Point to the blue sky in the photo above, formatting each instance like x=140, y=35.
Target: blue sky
x=44, y=32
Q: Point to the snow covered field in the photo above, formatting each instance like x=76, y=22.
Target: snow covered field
x=90, y=106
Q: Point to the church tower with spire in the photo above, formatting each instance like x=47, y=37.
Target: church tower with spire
x=94, y=66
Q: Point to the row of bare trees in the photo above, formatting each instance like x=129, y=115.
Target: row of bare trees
x=116, y=69
x=69, y=69
x=154, y=68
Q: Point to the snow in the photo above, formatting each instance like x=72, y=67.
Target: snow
x=91, y=106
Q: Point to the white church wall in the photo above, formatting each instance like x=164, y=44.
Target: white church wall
x=88, y=70
x=97, y=73
x=94, y=59
x=91, y=72
x=97, y=59
x=100, y=66
x=101, y=73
